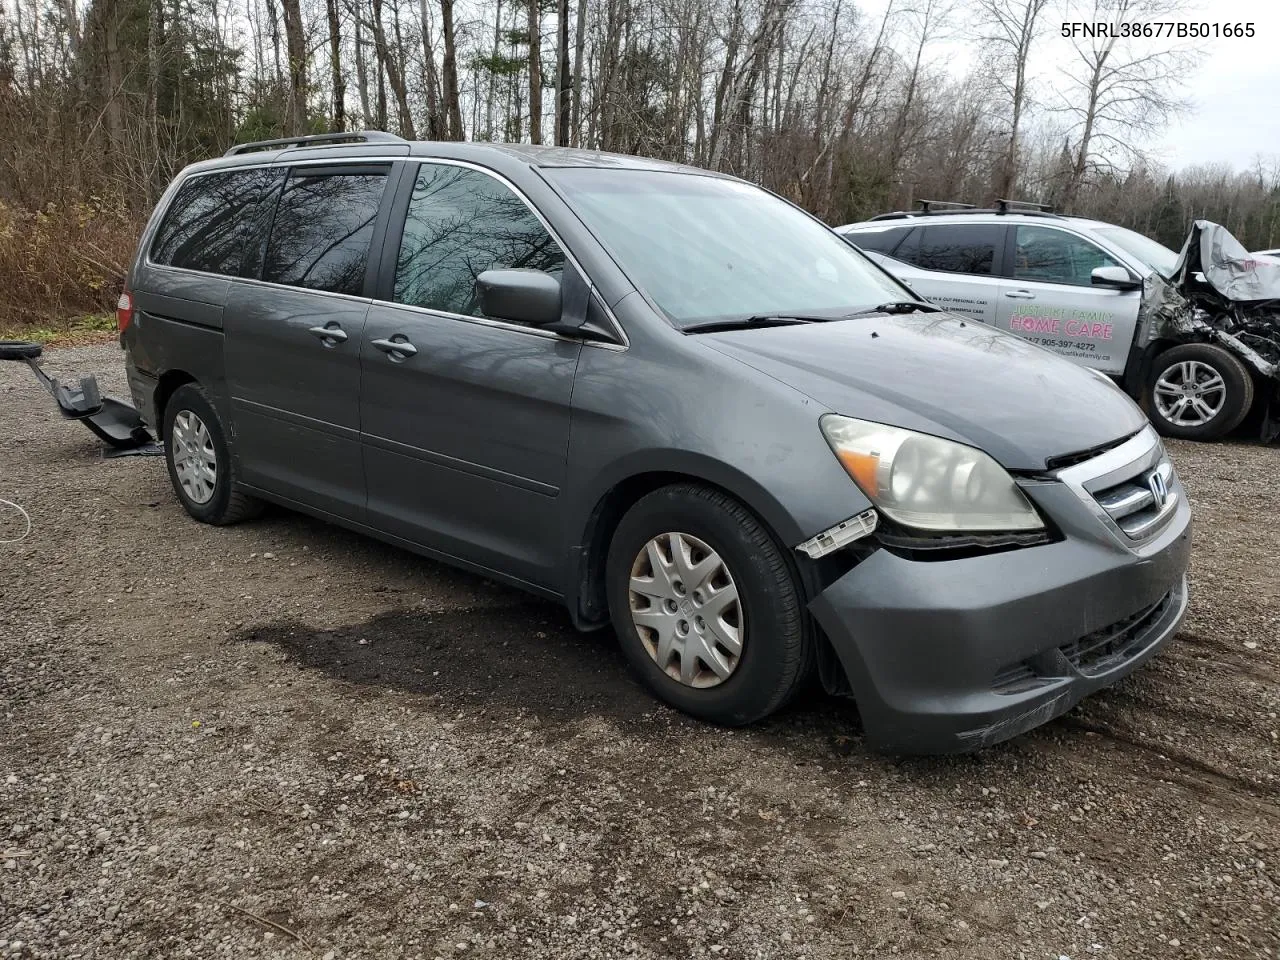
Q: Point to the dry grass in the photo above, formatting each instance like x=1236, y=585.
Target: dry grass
x=76, y=331
x=62, y=263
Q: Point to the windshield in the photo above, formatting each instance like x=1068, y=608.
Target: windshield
x=705, y=248
x=1155, y=255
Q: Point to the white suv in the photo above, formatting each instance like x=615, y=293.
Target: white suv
x=1072, y=285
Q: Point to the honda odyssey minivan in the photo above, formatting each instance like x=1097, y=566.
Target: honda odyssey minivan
x=672, y=401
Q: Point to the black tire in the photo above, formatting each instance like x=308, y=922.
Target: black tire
x=776, y=657
x=19, y=350
x=226, y=505
x=1235, y=404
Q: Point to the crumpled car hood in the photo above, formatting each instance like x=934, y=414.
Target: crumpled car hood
x=1220, y=293
x=1228, y=267
x=947, y=376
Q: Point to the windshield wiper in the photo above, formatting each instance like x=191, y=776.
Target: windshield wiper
x=784, y=319
x=759, y=320
x=899, y=306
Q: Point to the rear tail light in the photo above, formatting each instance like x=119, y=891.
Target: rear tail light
x=124, y=310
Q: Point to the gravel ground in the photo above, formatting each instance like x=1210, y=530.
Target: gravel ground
x=284, y=740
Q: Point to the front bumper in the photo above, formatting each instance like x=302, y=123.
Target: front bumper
x=953, y=655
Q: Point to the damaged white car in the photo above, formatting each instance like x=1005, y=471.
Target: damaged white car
x=1194, y=337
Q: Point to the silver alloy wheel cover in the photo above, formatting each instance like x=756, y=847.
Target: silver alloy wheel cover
x=685, y=606
x=1190, y=393
x=194, y=459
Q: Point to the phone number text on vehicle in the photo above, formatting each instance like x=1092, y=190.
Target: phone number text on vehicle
x=1084, y=346
x=1201, y=30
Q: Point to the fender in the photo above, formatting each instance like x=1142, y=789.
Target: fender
x=623, y=481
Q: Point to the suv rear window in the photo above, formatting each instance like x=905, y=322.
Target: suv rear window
x=954, y=247
x=880, y=241
x=322, y=229
x=211, y=221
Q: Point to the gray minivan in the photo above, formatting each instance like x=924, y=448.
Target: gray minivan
x=672, y=401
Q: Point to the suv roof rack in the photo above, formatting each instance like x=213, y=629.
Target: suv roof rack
x=938, y=208
x=317, y=140
x=1006, y=206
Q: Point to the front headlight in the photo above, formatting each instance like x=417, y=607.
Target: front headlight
x=926, y=482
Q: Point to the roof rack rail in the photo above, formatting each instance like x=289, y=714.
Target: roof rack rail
x=317, y=140
x=1006, y=206
x=930, y=208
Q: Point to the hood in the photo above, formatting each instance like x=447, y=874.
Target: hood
x=942, y=375
x=1235, y=273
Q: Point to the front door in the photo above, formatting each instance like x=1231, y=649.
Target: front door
x=1050, y=299
x=465, y=419
x=293, y=340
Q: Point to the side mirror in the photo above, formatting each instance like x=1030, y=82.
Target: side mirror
x=1117, y=278
x=521, y=296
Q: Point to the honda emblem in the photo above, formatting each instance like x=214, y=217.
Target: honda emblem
x=1159, y=489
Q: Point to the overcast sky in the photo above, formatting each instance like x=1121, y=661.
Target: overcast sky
x=1233, y=118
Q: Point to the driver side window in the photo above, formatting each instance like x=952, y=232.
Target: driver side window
x=460, y=223
x=1055, y=256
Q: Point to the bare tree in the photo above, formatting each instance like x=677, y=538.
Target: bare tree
x=389, y=64
x=562, y=73
x=362, y=70
x=338, y=121
x=449, y=94
x=430, y=76
x=579, y=47
x=1009, y=30
x=535, y=71
x=1117, y=91
x=296, y=41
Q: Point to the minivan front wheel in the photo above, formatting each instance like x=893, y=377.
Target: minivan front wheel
x=1198, y=391
x=199, y=460
x=706, y=606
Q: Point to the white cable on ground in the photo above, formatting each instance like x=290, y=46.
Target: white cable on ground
x=25, y=516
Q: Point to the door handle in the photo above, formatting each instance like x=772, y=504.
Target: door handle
x=330, y=336
x=397, y=348
x=1020, y=294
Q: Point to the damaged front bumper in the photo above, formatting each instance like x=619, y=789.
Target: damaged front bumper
x=948, y=656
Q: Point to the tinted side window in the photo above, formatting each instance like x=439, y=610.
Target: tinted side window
x=1055, y=256
x=322, y=229
x=956, y=247
x=213, y=221
x=460, y=223
x=880, y=241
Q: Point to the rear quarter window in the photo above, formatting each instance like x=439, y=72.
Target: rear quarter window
x=879, y=241
x=213, y=221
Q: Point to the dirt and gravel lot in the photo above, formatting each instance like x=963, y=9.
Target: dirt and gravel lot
x=284, y=740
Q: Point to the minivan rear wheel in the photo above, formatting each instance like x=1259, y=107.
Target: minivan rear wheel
x=1198, y=391
x=706, y=607
x=199, y=459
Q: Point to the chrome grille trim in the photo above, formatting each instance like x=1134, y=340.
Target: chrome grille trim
x=1132, y=504
x=1118, y=487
